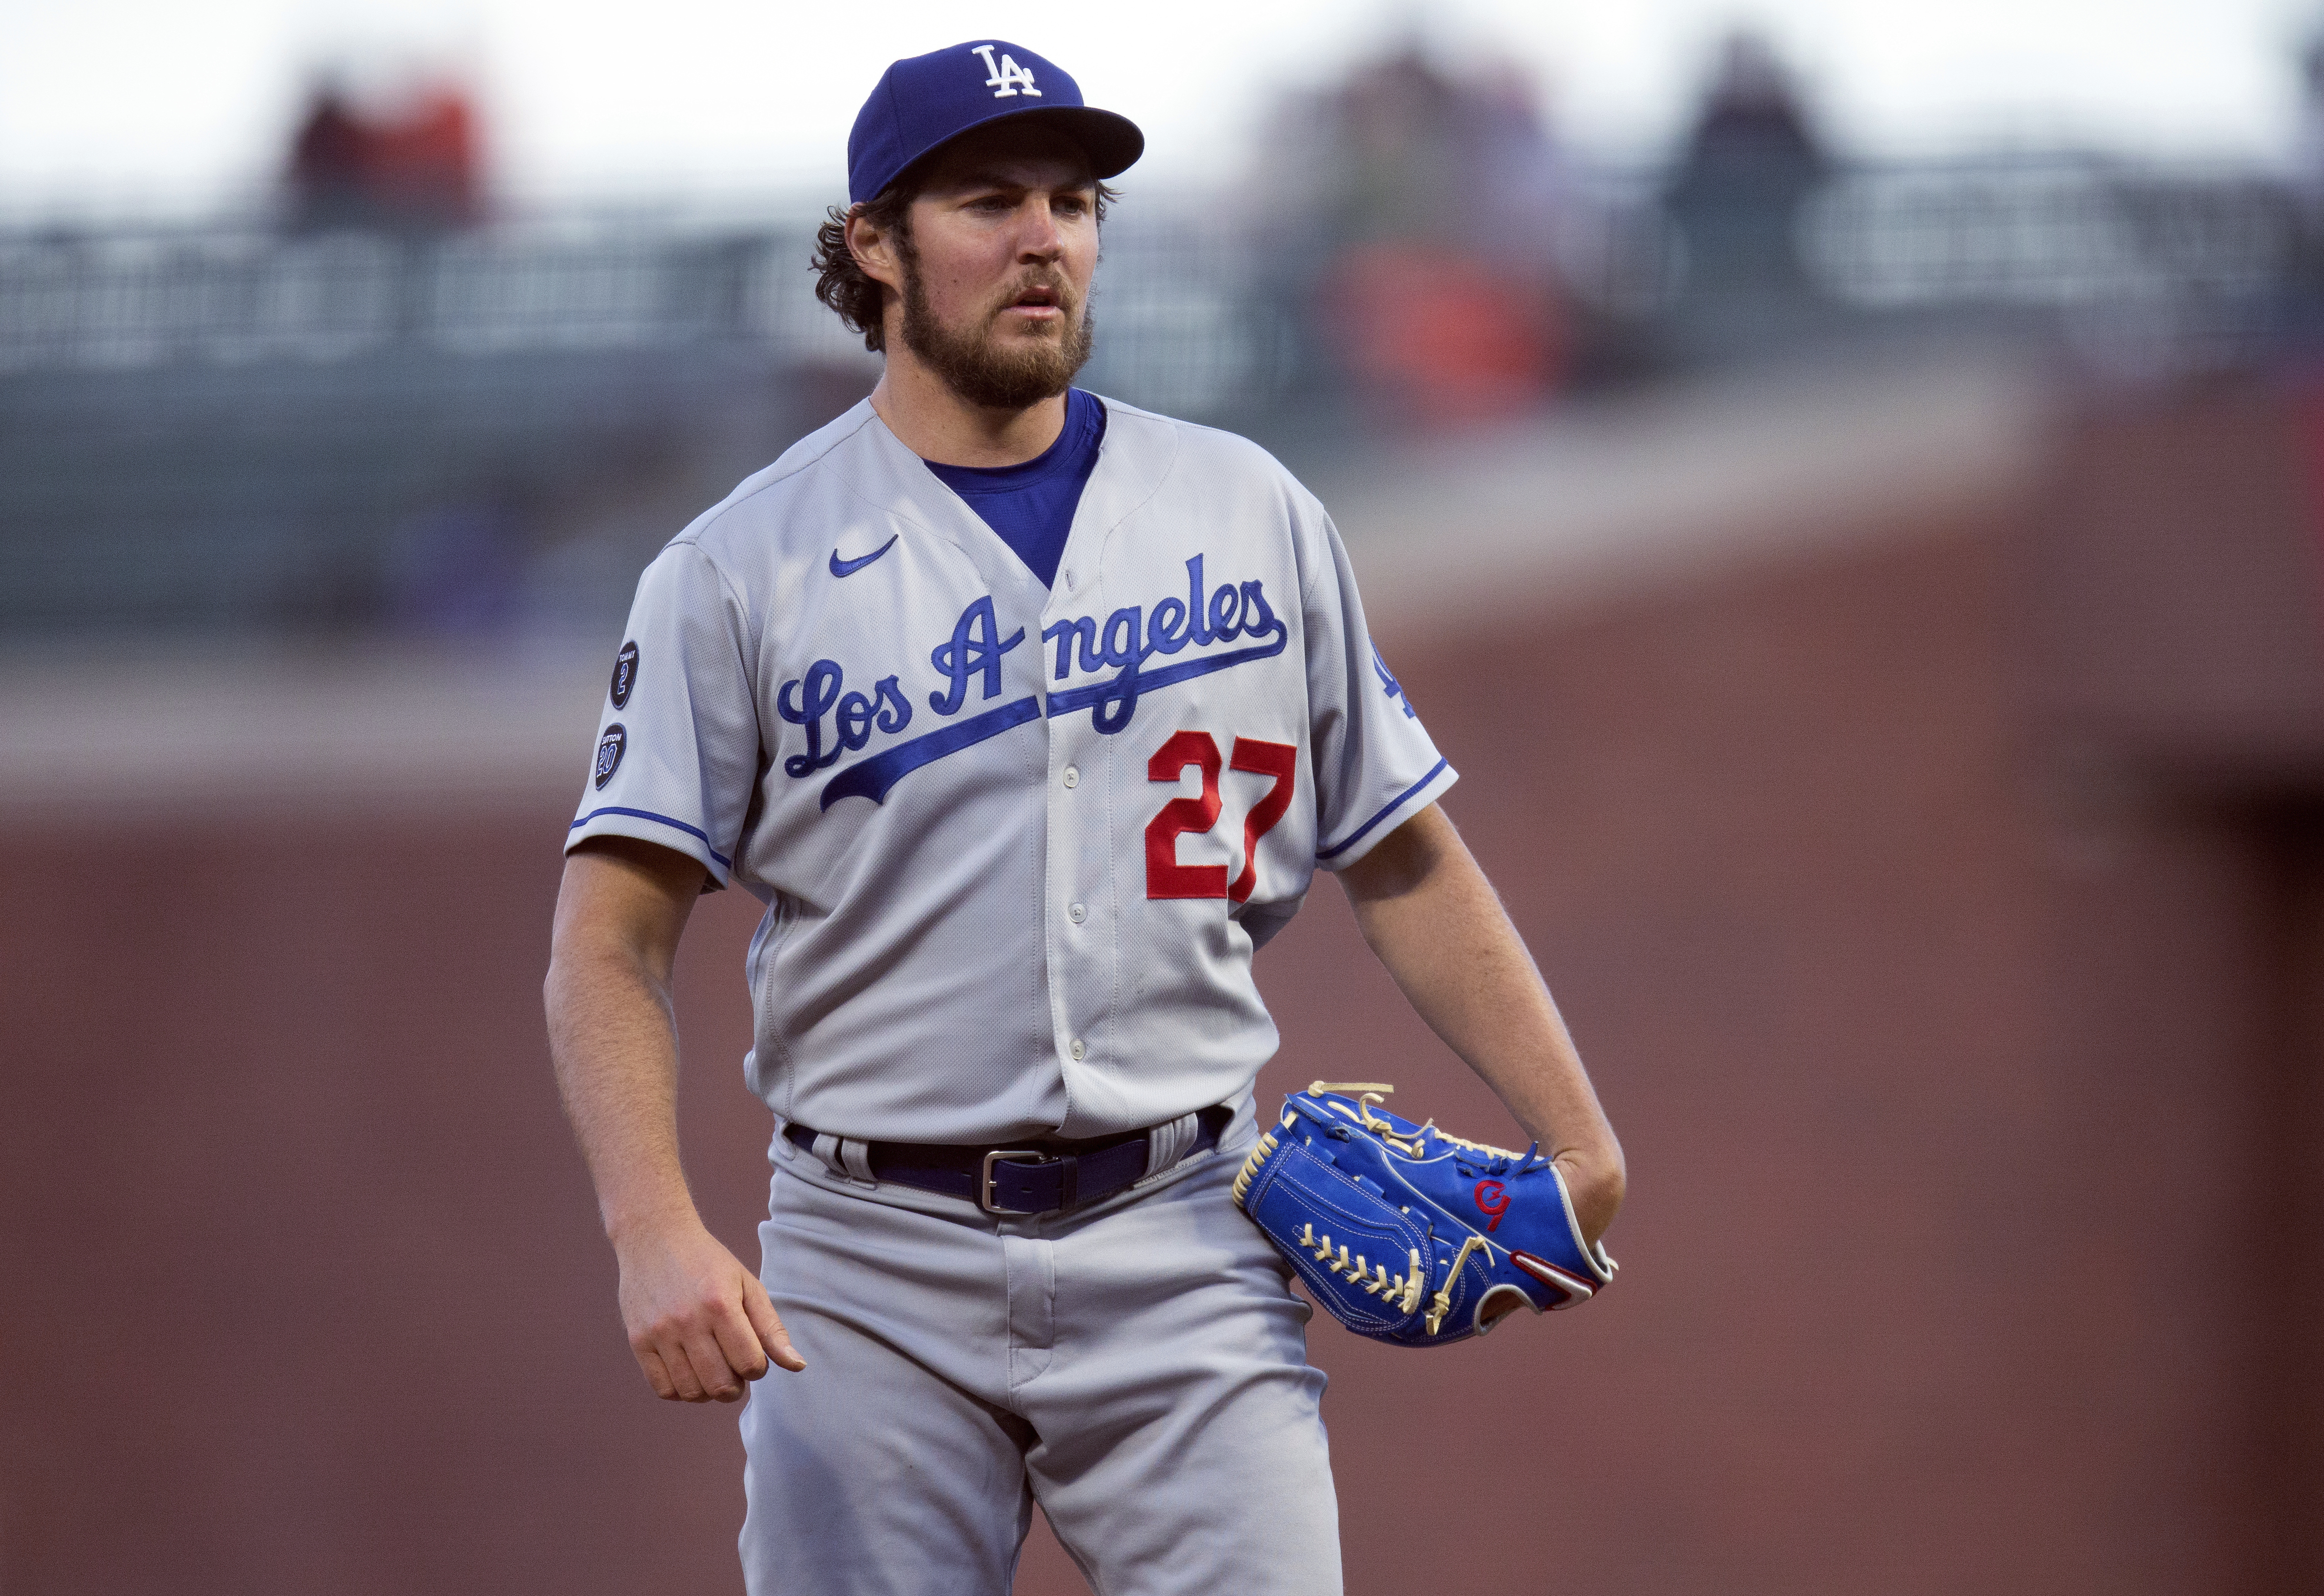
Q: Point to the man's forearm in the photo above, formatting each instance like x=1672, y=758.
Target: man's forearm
x=1435, y=922
x=613, y=1040
x=699, y=1323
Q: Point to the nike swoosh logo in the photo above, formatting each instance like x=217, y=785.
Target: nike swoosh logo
x=848, y=567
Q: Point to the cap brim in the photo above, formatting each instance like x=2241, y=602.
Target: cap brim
x=1112, y=142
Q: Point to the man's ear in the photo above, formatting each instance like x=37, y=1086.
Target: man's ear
x=875, y=251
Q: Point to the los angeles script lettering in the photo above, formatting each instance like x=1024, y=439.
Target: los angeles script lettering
x=838, y=721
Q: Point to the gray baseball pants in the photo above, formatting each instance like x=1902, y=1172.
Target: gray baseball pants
x=1138, y=1367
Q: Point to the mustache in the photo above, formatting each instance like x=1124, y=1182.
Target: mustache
x=1055, y=284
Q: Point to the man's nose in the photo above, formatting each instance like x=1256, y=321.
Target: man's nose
x=1038, y=237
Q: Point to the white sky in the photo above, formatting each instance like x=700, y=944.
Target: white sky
x=177, y=103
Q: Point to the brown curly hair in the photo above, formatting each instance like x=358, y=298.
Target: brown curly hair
x=859, y=300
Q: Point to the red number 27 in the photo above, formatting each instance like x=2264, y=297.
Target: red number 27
x=1165, y=876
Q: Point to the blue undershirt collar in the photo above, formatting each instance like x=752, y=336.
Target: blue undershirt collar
x=1030, y=506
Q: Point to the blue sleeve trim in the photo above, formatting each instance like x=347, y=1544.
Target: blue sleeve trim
x=1394, y=804
x=723, y=862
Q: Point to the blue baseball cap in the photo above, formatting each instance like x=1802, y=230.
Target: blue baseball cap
x=924, y=103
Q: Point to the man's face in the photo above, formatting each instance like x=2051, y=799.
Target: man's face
x=998, y=264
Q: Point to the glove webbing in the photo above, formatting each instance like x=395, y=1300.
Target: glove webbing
x=1368, y=1093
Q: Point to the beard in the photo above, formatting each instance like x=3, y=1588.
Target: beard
x=973, y=367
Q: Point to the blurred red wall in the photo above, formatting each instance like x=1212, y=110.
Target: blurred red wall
x=1962, y=1031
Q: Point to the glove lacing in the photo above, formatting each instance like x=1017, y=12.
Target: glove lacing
x=1374, y=1279
x=1441, y=1303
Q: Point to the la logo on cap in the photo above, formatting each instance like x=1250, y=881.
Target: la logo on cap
x=1007, y=77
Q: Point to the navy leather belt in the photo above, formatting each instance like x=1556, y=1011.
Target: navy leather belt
x=1020, y=1180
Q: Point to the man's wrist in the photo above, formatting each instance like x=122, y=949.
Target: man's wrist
x=1594, y=1188
x=632, y=1224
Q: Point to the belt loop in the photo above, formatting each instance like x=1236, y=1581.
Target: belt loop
x=826, y=1145
x=1166, y=1144
x=848, y=1159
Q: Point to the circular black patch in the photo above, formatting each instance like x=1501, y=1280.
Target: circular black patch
x=615, y=743
x=625, y=674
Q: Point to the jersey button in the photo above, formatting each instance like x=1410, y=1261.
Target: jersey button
x=1077, y=914
x=1078, y=1050
x=1073, y=777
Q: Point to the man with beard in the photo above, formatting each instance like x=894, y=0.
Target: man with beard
x=1030, y=717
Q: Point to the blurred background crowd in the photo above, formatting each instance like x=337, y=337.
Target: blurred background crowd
x=376, y=391
x=1870, y=572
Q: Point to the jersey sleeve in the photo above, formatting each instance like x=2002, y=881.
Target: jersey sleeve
x=678, y=732
x=1375, y=764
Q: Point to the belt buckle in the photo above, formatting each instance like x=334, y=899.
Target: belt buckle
x=985, y=1177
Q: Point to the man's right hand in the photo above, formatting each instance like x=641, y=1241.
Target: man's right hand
x=700, y=1324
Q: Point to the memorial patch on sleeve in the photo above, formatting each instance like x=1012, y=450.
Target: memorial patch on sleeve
x=610, y=749
x=625, y=674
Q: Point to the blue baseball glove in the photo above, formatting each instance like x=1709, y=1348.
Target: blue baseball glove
x=1407, y=1234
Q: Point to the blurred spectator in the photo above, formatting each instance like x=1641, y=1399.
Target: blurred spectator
x=1403, y=170
x=416, y=166
x=424, y=163
x=1436, y=336
x=2300, y=336
x=1749, y=164
x=1435, y=197
x=2308, y=151
x=328, y=162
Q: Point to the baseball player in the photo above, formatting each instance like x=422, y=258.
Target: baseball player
x=1030, y=717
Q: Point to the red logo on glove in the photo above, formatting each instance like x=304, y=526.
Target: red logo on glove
x=1493, y=1199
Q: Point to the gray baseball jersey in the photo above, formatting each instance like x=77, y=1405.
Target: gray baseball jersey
x=1017, y=843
